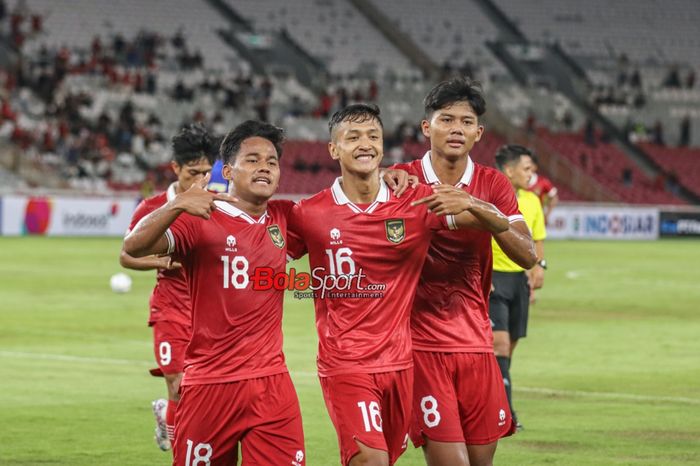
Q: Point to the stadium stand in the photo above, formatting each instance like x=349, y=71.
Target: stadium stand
x=452, y=32
x=611, y=167
x=332, y=30
x=682, y=163
x=101, y=86
x=600, y=28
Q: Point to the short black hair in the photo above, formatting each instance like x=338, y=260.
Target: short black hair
x=459, y=89
x=231, y=144
x=192, y=143
x=509, y=153
x=356, y=113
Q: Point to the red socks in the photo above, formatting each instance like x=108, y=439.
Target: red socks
x=170, y=419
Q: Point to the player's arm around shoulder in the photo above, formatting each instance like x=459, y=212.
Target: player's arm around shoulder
x=464, y=210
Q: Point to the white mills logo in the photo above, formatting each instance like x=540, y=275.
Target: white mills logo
x=231, y=243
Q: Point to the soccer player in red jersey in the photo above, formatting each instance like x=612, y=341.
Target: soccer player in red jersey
x=236, y=387
x=460, y=408
x=366, y=250
x=194, y=152
x=544, y=188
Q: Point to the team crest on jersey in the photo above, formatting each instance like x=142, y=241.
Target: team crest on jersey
x=395, y=230
x=276, y=235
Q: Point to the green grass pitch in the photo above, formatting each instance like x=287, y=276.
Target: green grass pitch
x=608, y=375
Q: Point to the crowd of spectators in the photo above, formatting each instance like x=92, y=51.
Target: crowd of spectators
x=57, y=123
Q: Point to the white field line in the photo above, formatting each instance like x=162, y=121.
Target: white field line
x=539, y=390
x=609, y=395
x=69, y=358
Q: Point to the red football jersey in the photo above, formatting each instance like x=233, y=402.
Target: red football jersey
x=236, y=331
x=450, y=312
x=541, y=186
x=170, y=299
x=373, y=255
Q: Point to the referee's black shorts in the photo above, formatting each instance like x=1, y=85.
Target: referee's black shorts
x=509, y=303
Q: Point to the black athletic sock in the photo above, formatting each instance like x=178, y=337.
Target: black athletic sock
x=504, y=365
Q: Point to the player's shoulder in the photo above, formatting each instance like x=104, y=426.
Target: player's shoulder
x=413, y=167
x=489, y=173
x=320, y=199
x=491, y=177
x=280, y=204
x=150, y=204
x=156, y=200
x=281, y=208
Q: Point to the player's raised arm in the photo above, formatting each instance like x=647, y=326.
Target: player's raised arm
x=148, y=236
x=467, y=211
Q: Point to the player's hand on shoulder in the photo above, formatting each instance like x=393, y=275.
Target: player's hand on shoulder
x=399, y=180
x=447, y=200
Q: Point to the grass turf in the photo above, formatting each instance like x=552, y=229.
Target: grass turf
x=608, y=375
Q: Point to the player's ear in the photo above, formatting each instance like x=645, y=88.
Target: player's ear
x=425, y=128
x=227, y=171
x=332, y=149
x=479, y=133
x=176, y=168
x=508, y=170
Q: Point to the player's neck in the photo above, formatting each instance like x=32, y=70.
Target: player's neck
x=252, y=208
x=359, y=189
x=448, y=170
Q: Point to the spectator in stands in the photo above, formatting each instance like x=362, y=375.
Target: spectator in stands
x=296, y=107
x=178, y=39
x=621, y=78
x=567, y=120
x=657, y=134
x=672, y=183
x=690, y=79
x=636, y=79
x=373, y=91
x=673, y=79
x=685, y=132
x=627, y=177
x=583, y=160
x=639, y=100
x=589, y=132
x=342, y=96
x=530, y=123
x=118, y=45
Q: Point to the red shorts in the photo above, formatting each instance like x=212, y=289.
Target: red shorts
x=459, y=397
x=262, y=414
x=170, y=340
x=374, y=409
